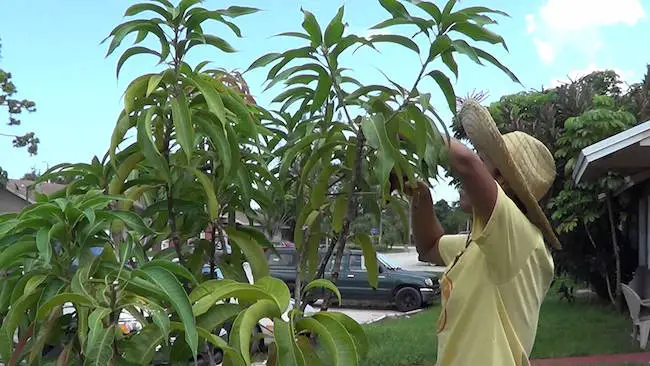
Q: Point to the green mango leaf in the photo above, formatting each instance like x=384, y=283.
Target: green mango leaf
x=346, y=350
x=446, y=87
x=60, y=299
x=396, y=39
x=364, y=90
x=464, y=48
x=131, y=219
x=252, y=251
x=141, y=347
x=34, y=282
x=208, y=188
x=334, y=30
x=491, y=59
x=139, y=8
x=338, y=212
x=43, y=245
x=286, y=351
x=449, y=6
x=99, y=346
x=326, y=284
x=374, y=129
x=17, y=250
x=218, y=315
x=478, y=33
x=148, y=145
x=395, y=8
x=232, y=356
x=124, y=123
x=154, y=82
x=242, y=328
x=12, y=320
x=277, y=289
x=439, y=46
x=238, y=106
x=322, y=184
x=310, y=24
x=448, y=59
x=370, y=257
x=321, y=93
x=355, y=330
x=175, y=294
x=183, y=125
x=217, y=135
x=172, y=267
x=420, y=135
x=137, y=50
x=208, y=88
x=336, y=340
x=219, y=43
x=312, y=254
x=293, y=34
x=136, y=89
x=211, y=291
x=309, y=352
x=263, y=61
x=432, y=9
x=237, y=11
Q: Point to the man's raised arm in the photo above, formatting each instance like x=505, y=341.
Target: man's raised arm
x=427, y=230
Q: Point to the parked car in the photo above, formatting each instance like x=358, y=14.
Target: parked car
x=407, y=290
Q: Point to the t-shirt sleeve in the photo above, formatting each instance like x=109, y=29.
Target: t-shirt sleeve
x=507, y=240
x=449, y=246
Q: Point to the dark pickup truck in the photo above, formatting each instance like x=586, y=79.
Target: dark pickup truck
x=408, y=290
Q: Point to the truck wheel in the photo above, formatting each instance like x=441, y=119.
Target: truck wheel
x=408, y=299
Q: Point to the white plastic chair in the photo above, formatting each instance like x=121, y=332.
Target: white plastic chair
x=639, y=319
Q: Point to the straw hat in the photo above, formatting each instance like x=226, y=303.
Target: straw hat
x=523, y=161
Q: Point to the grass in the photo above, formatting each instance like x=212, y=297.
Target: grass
x=564, y=330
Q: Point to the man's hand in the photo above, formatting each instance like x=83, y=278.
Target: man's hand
x=393, y=179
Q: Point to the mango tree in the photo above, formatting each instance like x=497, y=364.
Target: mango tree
x=335, y=129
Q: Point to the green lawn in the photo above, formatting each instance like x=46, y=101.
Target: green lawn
x=564, y=330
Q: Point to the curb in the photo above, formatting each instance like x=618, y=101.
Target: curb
x=395, y=316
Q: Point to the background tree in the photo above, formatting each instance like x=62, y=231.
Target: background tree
x=567, y=119
x=14, y=108
x=451, y=217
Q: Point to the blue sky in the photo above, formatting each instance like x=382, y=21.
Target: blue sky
x=53, y=51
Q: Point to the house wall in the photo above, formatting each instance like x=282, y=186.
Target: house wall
x=641, y=281
x=10, y=202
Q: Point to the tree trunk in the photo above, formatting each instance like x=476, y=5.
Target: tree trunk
x=617, y=257
x=350, y=216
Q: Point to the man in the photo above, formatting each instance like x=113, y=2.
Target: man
x=496, y=278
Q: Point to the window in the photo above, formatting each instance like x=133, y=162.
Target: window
x=357, y=263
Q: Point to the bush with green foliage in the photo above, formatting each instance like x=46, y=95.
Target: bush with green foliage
x=202, y=151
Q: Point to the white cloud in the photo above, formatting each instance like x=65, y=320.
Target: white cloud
x=625, y=75
x=576, y=24
x=545, y=50
x=577, y=15
x=530, y=23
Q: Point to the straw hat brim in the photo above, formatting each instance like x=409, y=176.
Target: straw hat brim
x=485, y=136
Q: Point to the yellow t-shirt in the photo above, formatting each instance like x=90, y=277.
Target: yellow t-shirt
x=493, y=289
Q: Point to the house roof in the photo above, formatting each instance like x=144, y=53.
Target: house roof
x=23, y=188
x=625, y=153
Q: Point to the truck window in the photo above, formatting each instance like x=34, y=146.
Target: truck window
x=357, y=263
